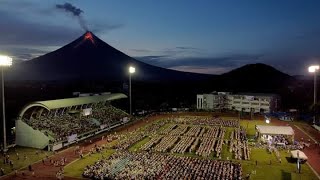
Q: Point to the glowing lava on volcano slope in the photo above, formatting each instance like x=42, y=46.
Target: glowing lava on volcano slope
x=88, y=36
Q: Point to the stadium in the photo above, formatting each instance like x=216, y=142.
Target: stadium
x=88, y=137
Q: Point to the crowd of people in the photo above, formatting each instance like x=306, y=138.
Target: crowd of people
x=145, y=165
x=147, y=146
x=201, y=140
x=108, y=115
x=168, y=129
x=182, y=146
x=60, y=127
x=211, y=121
x=240, y=149
x=239, y=145
x=125, y=141
x=280, y=139
x=130, y=138
x=166, y=143
x=194, y=131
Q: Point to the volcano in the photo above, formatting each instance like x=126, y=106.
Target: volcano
x=90, y=58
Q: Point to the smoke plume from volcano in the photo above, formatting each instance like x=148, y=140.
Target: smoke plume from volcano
x=76, y=12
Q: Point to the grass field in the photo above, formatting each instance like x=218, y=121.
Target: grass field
x=32, y=157
x=277, y=170
x=264, y=170
x=75, y=169
x=137, y=145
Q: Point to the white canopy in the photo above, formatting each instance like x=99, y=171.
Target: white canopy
x=275, y=130
x=294, y=154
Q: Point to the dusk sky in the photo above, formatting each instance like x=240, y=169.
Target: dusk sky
x=198, y=36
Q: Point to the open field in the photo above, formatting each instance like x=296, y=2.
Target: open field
x=33, y=155
x=75, y=169
x=277, y=170
x=264, y=170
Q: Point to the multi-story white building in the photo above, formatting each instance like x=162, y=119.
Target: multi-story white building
x=246, y=102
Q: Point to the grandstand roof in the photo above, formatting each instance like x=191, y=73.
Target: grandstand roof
x=60, y=103
x=68, y=102
x=275, y=130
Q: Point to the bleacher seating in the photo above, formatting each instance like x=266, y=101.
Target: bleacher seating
x=58, y=128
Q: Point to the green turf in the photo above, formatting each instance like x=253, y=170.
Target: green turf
x=250, y=126
x=225, y=152
x=75, y=169
x=137, y=145
x=277, y=170
x=228, y=133
x=32, y=157
x=163, y=127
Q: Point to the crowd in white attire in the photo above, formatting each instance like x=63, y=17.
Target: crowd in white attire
x=239, y=145
x=144, y=165
x=180, y=137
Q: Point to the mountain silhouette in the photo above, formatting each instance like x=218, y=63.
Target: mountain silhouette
x=90, y=58
x=255, y=78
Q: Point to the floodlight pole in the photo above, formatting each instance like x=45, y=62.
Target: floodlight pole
x=314, y=69
x=131, y=71
x=3, y=112
x=130, y=100
x=314, y=96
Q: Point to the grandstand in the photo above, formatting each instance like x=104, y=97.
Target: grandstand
x=54, y=124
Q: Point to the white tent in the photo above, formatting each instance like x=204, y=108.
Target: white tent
x=275, y=130
x=302, y=156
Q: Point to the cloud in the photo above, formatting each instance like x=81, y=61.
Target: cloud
x=207, y=65
x=227, y=60
x=187, y=48
x=103, y=27
x=174, y=52
x=203, y=70
x=22, y=53
x=141, y=50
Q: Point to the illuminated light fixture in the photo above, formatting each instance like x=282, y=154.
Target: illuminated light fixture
x=5, y=60
x=267, y=121
x=313, y=68
x=132, y=70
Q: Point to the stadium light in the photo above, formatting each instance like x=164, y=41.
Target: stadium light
x=131, y=71
x=5, y=61
x=314, y=69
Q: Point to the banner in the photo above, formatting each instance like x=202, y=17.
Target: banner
x=72, y=138
x=125, y=119
x=87, y=111
x=102, y=126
